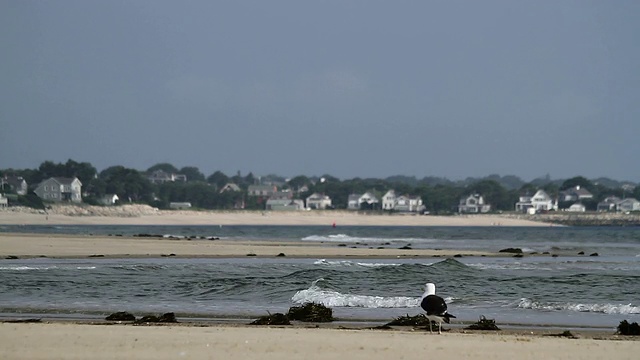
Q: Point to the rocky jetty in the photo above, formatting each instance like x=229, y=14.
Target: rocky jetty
x=582, y=219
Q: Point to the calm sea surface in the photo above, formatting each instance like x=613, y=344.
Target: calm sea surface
x=567, y=290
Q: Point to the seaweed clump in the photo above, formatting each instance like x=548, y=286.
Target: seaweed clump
x=272, y=319
x=121, y=316
x=164, y=318
x=311, y=312
x=483, y=324
x=418, y=320
x=624, y=328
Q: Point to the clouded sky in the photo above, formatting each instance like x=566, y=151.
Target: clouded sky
x=346, y=88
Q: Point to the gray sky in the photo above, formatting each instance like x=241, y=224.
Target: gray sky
x=346, y=88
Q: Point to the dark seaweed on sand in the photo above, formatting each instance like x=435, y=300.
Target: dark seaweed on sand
x=418, y=320
x=624, y=328
x=311, y=312
x=483, y=324
x=272, y=319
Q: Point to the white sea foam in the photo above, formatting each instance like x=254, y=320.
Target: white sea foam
x=332, y=298
x=351, y=263
x=624, y=309
x=344, y=238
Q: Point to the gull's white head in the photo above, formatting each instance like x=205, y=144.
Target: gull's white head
x=430, y=290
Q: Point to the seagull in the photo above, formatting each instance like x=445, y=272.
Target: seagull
x=435, y=307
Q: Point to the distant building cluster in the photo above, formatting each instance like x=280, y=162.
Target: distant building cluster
x=276, y=197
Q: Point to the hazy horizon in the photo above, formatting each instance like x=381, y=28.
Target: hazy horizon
x=367, y=89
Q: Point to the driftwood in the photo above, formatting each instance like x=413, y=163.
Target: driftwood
x=624, y=328
x=272, y=319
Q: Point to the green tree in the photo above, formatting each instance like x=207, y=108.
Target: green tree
x=577, y=181
x=219, y=179
x=128, y=184
x=192, y=173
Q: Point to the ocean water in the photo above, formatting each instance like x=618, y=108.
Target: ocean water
x=567, y=290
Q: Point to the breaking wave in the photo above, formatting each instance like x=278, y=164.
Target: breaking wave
x=623, y=309
x=331, y=298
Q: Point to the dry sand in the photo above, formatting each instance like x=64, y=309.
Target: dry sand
x=143, y=215
x=82, y=341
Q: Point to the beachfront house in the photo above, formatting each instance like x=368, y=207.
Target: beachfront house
x=409, y=203
x=389, y=200
x=60, y=189
x=318, y=201
x=4, y=202
x=473, y=204
x=284, y=204
x=575, y=193
x=17, y=184
x=608, y=204
x=628, y=204
x=540, y=201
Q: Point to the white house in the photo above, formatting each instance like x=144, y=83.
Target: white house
x=389, y=200
x=60, y=189
x=540, y=201
x=318, y=201
x=355, y=201
x=474, y=203
x=4, y=202
x=609, y=203
x=409, y=203
x=628, y=204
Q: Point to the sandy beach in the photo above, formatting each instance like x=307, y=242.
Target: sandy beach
x=82, y=341
x=145, y=215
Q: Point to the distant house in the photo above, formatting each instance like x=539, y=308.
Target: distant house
x=540, y=201
x=356, y=201
x=318, y=201
x=4, y=202
x=577, y=207
x=608, y=204
x=409, y=203
x=285, y=194
x=161, y=177
x=284, y=204
x=261, y=190
x=473, y=203
x=575, y=194
x=389, y=200
x=109, y=199
x=17, y=184
x=59, y=189
x=628, y=204
x=353, y=202
x=229, y=187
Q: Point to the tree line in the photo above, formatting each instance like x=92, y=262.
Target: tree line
x=439, y=195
